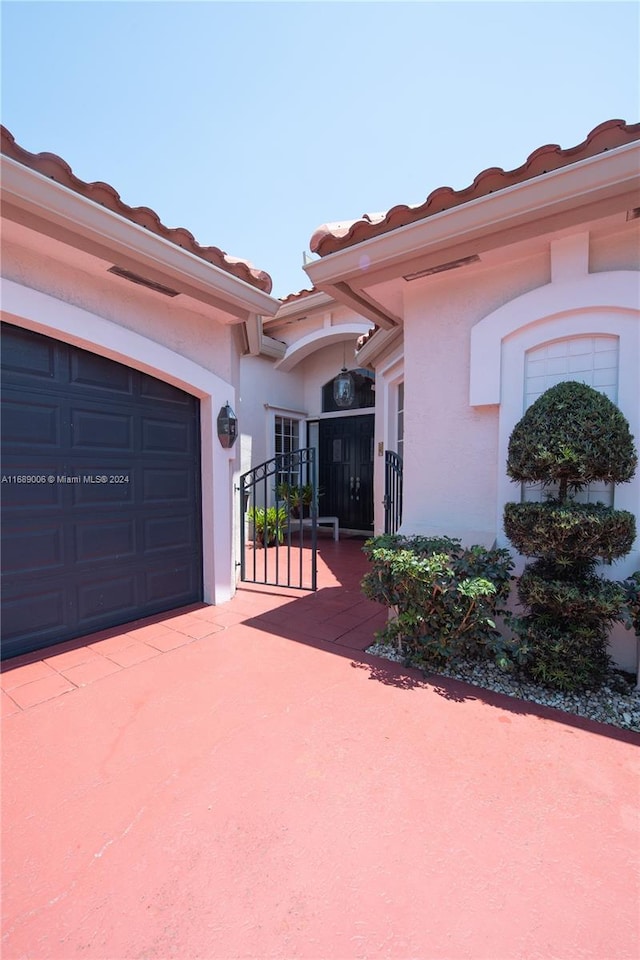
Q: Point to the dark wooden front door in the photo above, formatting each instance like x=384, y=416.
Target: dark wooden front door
x=346, y=471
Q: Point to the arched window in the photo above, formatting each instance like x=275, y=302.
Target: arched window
x=591, y=360
x=559, y=332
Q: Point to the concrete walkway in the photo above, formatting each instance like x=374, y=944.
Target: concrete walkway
x=246, y=783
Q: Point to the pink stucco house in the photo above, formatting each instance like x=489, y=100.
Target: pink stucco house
x=452, y=316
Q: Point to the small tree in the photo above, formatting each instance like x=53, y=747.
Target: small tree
x=570, y=437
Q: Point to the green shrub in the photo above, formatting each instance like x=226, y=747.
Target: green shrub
x=446, y=598
x=565, y=655
x=297, y=498
x=571, y=436
x=585, y=597
x=554, y=530
x=631, y=612
x=269, y=524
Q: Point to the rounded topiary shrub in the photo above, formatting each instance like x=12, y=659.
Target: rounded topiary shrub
x=571, y=436
x=564, y=655
x=585, y=597
x=552, y=529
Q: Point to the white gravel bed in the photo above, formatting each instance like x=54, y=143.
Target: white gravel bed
x=607, y=705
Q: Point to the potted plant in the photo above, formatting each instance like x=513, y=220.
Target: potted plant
x=268, y=524
x=298, y=498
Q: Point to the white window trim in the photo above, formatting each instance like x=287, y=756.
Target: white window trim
x=609, y=291
x=597, y=491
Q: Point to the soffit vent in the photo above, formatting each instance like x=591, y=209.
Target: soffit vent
x=451, y=265
x=143, y=282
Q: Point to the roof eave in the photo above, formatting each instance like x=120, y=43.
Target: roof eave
x=303, y=306
x=602, y=180
x=32, y=199
x=378, y=344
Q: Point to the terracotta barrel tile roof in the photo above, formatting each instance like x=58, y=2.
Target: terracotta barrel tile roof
x=364, y=339
x=300, y=295
x=331, y=237
x=54, y=167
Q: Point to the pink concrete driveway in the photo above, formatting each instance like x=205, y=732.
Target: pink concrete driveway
x=266, y=790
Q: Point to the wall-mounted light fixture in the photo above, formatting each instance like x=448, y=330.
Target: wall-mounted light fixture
x=227, y=427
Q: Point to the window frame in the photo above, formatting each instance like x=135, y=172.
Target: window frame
x=593, y=492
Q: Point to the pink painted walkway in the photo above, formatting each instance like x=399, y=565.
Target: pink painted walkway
x=243, y=782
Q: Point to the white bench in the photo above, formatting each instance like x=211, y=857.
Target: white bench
x=321, y=521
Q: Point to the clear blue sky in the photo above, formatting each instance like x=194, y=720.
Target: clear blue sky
x=253, y=123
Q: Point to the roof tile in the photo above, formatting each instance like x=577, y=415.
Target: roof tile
x=54, y=167
x=331, y=237
x=300, y=295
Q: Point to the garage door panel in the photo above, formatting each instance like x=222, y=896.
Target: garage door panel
x=168, y=533
x=37, y=547
x=162, y=485
x=31, y=356
x=25, y=424
x=94, y=430
x=111, y=540
x=167, y=586
x=94, y=373
x=26, y=487
x=118, y=489
x=151, y=389
x=31, y=618
x=110, y=528
x=164, y=436
x=111, y=595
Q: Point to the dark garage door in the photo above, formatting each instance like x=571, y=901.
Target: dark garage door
x=101, y=519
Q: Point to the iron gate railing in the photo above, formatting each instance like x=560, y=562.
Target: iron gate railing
x=278, y=529
x=392, y=491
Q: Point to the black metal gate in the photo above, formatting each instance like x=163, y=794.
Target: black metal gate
x=392, y=491
x=279, y=511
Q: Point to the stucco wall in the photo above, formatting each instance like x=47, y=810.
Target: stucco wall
x=164, y=320
x=451, y=448
x=260, y=384
x=617, y=251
